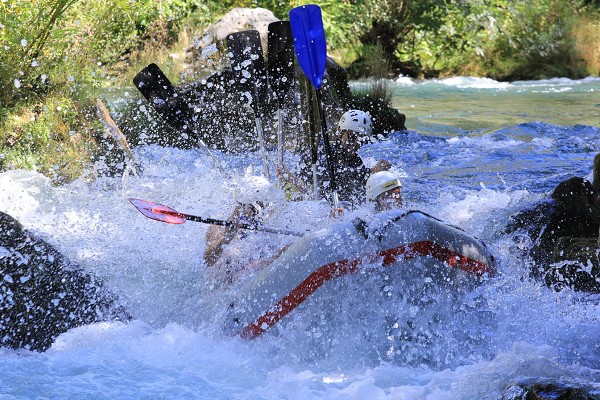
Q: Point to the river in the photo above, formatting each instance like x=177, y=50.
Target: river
x=477, y=152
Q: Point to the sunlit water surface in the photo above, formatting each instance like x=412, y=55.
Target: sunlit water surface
x=478, y=151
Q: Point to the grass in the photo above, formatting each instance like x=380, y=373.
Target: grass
x=53, y=137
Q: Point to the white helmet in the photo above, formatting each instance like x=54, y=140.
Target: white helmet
x=357, y=121
x=381, y=182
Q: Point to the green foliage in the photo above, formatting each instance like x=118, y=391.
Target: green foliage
x=535, y=42
x=57, y=55
x=52, y=138
x=341, y=19
x=503, y=39
x=373, y=63
x=444, y=34
x=61, y=53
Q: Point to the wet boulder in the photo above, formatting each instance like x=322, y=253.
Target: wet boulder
x=548, y=391
x=563, y=232
x=575, y=264
x=203, y=54
x=42, y=294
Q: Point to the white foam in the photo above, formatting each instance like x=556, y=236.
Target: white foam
x=472, y=82
x=404, y=80
x=175, y=348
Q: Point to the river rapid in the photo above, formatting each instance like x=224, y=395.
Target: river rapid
x=477, y=152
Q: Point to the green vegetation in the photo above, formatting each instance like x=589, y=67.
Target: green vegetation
x=501, y=39
x=59, y=54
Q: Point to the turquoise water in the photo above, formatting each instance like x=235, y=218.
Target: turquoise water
x=481, y=104
x=478, y=151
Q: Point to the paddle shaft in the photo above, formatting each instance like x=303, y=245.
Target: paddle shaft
x=330, y=160
x=279, y=135
x=261, y=143
x=311, y=50
x=227, y=223
x=246, y=55
x=280, y=72
x=311, y=127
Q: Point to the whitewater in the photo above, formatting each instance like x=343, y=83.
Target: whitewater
x=477, y=151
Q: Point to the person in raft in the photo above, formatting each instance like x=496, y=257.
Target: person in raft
x=353, y=130
x=225, y=261
x=382, y=189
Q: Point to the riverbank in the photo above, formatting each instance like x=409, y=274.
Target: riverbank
x=55, y=73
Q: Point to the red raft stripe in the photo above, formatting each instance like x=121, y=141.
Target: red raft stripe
x=345, y=267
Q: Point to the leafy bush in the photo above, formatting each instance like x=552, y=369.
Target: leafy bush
x=535, y=42
x=56, y=57
x=498, y=38
x=51, y=138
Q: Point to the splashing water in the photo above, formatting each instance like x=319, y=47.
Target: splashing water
x=483, y=153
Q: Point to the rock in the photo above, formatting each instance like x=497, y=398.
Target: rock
x=572, y=211
x=386, y=119
x=578, y=209
x=559, y=260
x=563, y=231
x=575, y=265
x=42, y=294
x=582, y=249
x=548, y=391
x=532, y=223
x=212, y=40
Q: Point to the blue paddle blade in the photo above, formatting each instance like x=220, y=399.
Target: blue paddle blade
x=306, y=23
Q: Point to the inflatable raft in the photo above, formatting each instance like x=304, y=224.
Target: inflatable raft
x=404, y=244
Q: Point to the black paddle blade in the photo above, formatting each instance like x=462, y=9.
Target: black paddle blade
x=154, y=85
x=281, y=58
x=161, y=94
x=248, y=64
